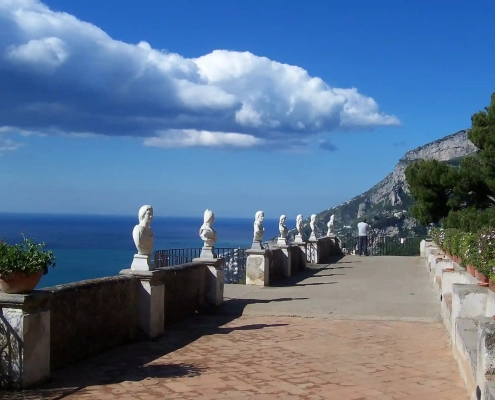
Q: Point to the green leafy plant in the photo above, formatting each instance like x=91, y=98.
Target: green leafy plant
x=27, y=257
x=486, y=251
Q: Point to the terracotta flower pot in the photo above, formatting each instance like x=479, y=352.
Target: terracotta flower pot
x=19, y=283
x=470, y=268
x=481, y=277
x=491, y=285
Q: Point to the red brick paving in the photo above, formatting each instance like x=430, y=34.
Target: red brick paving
x=212, y=357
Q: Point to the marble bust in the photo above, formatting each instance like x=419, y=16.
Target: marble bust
x=312, y=223
x=258, y=226
x=142, y=233
x=206, y=232
x=282, y=227
x=299, y=224
x=330, y=225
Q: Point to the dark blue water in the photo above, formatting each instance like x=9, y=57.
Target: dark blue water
x=89, y=247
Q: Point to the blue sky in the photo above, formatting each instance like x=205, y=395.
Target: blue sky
x=283, y=106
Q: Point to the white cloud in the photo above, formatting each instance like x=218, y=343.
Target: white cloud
x=194, y=138
x=60, y=74
x=8, y=145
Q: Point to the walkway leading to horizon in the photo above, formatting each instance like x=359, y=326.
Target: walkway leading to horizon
x=359, y=328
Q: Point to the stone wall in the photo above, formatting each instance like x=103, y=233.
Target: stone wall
x=91, y=316
x=276, y=264
x=468, y=306
x=63, y=324
x=185, y=291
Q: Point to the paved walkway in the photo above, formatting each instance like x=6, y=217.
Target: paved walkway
x=362, y=328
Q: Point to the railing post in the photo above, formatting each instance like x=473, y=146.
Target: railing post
x=25, y=339
x=151, y=306
x=214, y=279
x=258, y=267
x=286, y=259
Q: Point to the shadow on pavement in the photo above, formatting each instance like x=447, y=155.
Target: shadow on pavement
x=315, y=284
x=140, y=361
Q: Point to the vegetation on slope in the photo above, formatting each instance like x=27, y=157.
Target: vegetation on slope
x=459, y=194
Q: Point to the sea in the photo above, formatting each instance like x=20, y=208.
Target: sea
x=95, y=246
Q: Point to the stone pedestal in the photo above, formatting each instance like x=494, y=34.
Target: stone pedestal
x=257, y=245
x=25, y=339
x=208, y=252
x=312, y=237
x=141, y=263
x=281, y=241
x=257, y=267
x=214, y=279
x=286, y=260
x=151, y=301
x=298, y=239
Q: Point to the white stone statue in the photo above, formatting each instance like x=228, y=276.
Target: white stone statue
x=258, y=226
x=142, y=233
x=206, y=232
x=312, y=224
x=330, y=225
x=282, y=227
x=299, y=225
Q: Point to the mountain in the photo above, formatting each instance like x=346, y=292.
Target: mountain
x=386, y=204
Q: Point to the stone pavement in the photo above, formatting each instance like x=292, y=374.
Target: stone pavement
x=335, y=346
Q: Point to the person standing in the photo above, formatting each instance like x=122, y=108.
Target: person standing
x=363, y=229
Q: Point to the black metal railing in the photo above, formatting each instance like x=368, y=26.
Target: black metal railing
x=311, y=253
x=171, y=257
x=234, y=266
x=383, y=245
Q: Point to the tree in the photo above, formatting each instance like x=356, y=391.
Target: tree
x=482, y=134
x=462, y=196
x=431, y=184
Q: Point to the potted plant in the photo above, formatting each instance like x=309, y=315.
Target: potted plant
x=22, y=265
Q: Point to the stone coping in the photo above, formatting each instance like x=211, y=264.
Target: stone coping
x=180, y=267
x=37, y=300
x=85, y=283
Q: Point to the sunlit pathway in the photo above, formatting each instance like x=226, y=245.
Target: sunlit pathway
x=334, y=346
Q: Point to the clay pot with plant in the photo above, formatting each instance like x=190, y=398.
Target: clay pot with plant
x=22, y=265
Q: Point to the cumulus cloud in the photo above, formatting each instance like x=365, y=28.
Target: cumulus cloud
x=327, y=145
x=195, y=138
x=60, y=74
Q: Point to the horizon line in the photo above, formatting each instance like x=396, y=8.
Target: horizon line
x=110, y=215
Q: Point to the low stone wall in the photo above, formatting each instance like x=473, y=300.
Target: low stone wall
x=467, y=310
x=297, y=259
x=185, y=291
x=50, y=328
x=91, y=316
x=277, y=261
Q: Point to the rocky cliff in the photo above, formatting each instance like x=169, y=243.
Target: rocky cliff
x=386, y=204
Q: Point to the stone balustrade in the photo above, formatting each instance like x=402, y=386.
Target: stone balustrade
x=468, y=310
x=50, y=328
x=266, y=266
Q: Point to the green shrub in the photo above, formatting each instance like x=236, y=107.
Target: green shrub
x=27, y=258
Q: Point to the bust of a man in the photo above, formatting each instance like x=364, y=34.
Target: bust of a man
x=258, y=226
x=282, y=227
x=142, y=233
x=312, y=224
x=206, y=232
x=299, y=224
x=330, y=224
